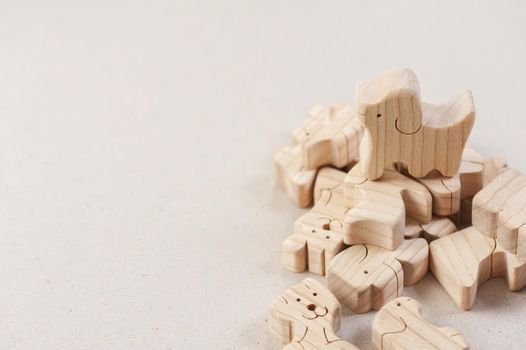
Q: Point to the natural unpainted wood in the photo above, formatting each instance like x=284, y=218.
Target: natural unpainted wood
x=379, y=208
x=462, y=218
x=337, y=143
x=400, y=128
x=307, y=316
x=329, y=135
x=466, y=259
x=448, y=192
x=292, y=177
x=399, y=325
x=317, y=118
x=492, y=167
x=318, y=234
x=365, y=277
x=499, y=211
x=437, y=228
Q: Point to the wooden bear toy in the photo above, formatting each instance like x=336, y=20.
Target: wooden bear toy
x=306, y=317
x=400, y=128
x=399, y=325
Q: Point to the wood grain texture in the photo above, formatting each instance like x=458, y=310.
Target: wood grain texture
x=499, y=211
x=437, y=228
x=400, y=128
x=399, y=325
x=318, y=234
x=365, y=277
x=462, y=218
x=307, y=316
x=336, y=143
x=329, y=135
x=466, y=259
x=492, y=167
x=291, y=176
x=448, y=192
x=379, y=208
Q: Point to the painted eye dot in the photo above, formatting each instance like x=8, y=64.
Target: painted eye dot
x=366, y=272
x=314, y=293
x=398, y=304
x=298, y=300
x=307, y=134
x=378, y=115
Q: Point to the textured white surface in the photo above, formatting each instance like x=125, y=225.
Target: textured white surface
x=137, y=205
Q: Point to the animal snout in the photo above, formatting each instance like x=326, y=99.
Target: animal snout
x=311, y=307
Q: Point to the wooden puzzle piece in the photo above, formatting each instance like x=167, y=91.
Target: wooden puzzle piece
x=318, y=234
x=295, y=166
x=464, y=260
x=399, y=325
x=317, y=117
x=499, y=211
x=492, y=168
x=437, y=228
x=448, y=192
x=399, y=128
x=307, y=316
x=379, y=208
x=463, y=216
x=365, y=277
x=292, y=177
x=336, y=143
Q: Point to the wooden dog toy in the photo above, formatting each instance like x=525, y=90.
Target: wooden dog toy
x=399, y=325
x=306, y=317
x=365, y=277
x=399, y=128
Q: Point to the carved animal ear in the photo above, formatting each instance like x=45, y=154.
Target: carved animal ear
x=399, y=82
x=279, y=320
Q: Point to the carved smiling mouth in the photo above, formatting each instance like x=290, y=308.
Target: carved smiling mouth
x=315, y=317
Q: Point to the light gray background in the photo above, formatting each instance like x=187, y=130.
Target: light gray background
x=137, y=206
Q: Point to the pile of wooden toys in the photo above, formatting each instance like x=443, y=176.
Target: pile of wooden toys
x=395, y=193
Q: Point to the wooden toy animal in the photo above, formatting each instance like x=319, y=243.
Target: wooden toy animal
x=318, y=234
x=336, y=143
x=437, y=228
x=464, y=260
x=448, y=192
x=399, y=325
x=400, y=128
x=291, y=176
x=306, y=317
x=499, y=211
x=365, y=277
x=379, y=208
x=329, y=135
